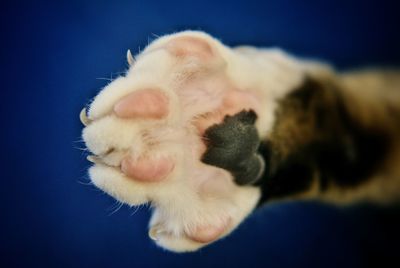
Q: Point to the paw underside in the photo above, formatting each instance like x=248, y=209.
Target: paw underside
x=177, y=133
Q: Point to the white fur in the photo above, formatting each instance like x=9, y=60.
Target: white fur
x=194, y=194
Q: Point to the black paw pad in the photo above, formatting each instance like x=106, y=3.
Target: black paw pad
x=233, y=144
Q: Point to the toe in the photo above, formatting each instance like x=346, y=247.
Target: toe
x=148, y=103
x=150, y=170
x=208, y=233
x=190, y=46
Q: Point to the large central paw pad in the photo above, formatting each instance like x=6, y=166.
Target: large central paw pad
x=233, y=145
x=161, y=134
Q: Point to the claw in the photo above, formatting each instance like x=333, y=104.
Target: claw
x=84, y=119
x=155, y=232
x=129, y=57
x=93, y=159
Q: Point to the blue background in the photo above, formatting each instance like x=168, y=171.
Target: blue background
x=56, y=55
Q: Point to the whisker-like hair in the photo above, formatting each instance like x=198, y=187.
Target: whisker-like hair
x=86, y=181
x=118, y=205
x=138, y=207
x=112, y=76
x=104, y=78
x=119, y=73
x=81, y=148
x=89, y=183
x=79, y=140
x=136, y=210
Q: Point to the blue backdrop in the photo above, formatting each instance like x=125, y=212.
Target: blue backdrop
x=55, y=56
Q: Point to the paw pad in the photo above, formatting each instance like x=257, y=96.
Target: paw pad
x=148, y=103
x=185, y=46
x=148, y=170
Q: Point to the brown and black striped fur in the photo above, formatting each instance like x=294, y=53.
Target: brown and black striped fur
x=337, y=138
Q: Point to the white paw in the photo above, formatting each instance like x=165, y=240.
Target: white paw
x=145, y=133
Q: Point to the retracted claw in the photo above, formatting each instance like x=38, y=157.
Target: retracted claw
x=155, y=232
x=84, y=119
x=129, y=58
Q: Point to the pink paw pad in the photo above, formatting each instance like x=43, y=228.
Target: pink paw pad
x=190, y=46
x=208, y=233
x=147, y=103
x=149, y=170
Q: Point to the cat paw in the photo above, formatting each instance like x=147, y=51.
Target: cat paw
x=161, y=135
